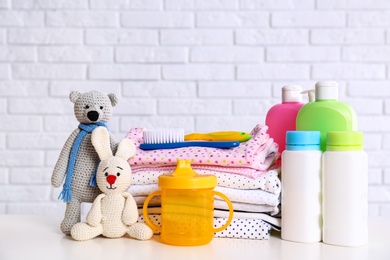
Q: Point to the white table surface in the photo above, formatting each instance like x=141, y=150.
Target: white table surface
x=39, y=237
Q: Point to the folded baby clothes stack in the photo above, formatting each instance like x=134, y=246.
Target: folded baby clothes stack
x=246, y=174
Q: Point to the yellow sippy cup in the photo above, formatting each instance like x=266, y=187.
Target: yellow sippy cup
x=187, y=207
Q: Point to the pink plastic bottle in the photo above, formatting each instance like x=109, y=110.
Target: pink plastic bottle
x=282, y=117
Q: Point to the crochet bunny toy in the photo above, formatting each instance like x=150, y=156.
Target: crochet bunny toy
x=78, y=159
x=114, y=212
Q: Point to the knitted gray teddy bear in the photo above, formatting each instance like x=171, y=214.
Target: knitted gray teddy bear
x=78, y=159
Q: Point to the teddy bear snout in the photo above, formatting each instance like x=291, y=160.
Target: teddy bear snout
x=111, y=179
x=93, y=115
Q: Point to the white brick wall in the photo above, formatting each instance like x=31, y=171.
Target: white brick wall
x=204, y=65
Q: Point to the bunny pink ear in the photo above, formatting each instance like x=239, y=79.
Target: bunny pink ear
x=126, y=149
x=101, y=141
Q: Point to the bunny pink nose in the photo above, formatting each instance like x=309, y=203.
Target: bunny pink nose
x=111, y=179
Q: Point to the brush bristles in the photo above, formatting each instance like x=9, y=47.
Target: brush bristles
x=161, y=136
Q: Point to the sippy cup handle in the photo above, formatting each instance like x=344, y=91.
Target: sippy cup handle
x=225, y=198
x=145, y=211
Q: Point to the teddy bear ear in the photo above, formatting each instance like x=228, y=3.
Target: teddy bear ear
x=74, y=95
x=126, y=149
x=114, y=100
x=101, y=142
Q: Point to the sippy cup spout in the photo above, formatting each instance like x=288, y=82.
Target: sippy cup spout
x=184, y=177
x=184, y=169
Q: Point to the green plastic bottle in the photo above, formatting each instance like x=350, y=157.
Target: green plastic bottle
x=326, y=113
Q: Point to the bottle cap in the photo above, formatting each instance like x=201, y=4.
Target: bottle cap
x=184, y=177
x=303, y=140
x=344, y=141
x=292, y=93
x=327, y=90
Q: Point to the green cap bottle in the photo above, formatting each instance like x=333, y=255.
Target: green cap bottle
x=326, y=113
x=344, y=141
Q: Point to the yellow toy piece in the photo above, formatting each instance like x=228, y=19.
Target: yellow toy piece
x=219, y=136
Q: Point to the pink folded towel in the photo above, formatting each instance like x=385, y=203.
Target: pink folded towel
x=258, y=153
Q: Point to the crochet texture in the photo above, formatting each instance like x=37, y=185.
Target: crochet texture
x=89, y=108
x=113, y=213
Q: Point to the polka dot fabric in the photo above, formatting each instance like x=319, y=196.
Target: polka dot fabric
x=247, y=172
x=256, y=197
x=244, y=228
x=268, y=181
x=238, y=228
x=255, y=153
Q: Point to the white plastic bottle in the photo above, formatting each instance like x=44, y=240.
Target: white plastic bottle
x=301, y=187
x=345, y=188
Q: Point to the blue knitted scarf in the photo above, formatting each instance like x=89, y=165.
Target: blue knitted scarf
x=66, y=193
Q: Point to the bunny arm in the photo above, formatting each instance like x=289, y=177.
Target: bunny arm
x=130, y=211
x=94, y=216
x=59, y=171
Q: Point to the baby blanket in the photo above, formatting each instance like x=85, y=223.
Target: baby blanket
x=257, y=153
x=235, y=195
x=219, y=204
x=245, y=228
x=268, y=181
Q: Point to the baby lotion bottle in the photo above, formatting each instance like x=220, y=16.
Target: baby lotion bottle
x=301, y=187
x=282, y=117
x=345, y=188
x=326, y=113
